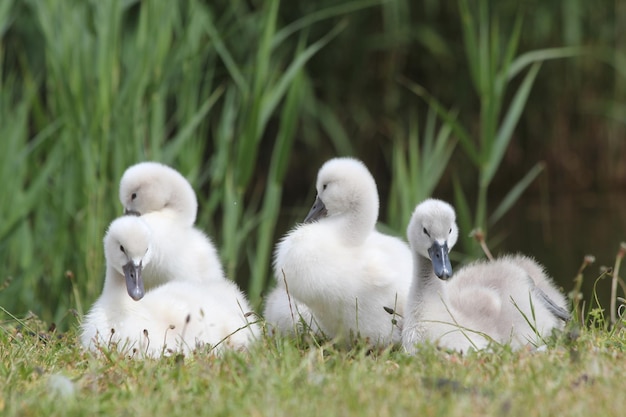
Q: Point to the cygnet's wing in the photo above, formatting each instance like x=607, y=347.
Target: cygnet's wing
x=554, y=308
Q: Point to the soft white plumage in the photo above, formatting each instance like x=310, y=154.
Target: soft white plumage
x=149, y=187
x=286, y=315
x=175, y=317
x=339, y=266
x=167, y=202
x=483, y=301
x=542, y=281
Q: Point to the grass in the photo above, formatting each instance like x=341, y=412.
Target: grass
x=577, y=373
x=45, y=373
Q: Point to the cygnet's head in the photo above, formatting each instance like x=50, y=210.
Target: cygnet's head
x=345, y=186
x=432, y=233
x=150, y=186
x=127, y=250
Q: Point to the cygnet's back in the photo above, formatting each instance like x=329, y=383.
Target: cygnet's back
x=149, y=187
x=541, y=279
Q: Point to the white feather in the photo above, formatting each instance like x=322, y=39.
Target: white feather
x=286, y=315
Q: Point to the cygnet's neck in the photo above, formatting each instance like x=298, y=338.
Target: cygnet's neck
x=425, y=283
x=115, y=287
x=185, y=211
x=355, y=226
x=184, y=203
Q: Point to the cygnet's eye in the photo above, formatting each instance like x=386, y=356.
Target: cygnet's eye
x=122, y=249
x=324, y=186
x=450, y=231
x=426, y=232
x=133, y=196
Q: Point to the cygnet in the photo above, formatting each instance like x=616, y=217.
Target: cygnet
x=484, y=302
x=177, y=317
x=339, y=266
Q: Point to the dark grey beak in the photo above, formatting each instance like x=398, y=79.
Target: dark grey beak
x=317, y=211
x=441, y=260
x=134, y=281
x=128, y=212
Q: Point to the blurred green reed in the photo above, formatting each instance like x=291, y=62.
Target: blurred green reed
x=493, y=64
x=94, y=87
x=248, y=205
x=106, y=101
x=236, y=95
x=418, y=162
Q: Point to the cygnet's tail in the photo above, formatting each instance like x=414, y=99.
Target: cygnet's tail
x=558, y=311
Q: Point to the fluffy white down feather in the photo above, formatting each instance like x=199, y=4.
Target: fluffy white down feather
x=286, y=315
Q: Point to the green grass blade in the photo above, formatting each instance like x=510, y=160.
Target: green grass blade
x=464, y=216
x=320, y=15
x=509, y=55
x=505, y=133
x=333, y=128
x=5, y=16
x=435, y=161
x=471, y=42
x=515, y=192
x=277, y=93
x=227, y=58
x=174, y=146
x=449, y=117
x=541, y=55
x=483, y=53
x=273, y=192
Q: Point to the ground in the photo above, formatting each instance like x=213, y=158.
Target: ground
x=580, y=372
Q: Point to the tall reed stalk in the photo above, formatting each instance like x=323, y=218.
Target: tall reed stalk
x=215, y=90
x=491, y=56
x=417, y=165
x=249, y=206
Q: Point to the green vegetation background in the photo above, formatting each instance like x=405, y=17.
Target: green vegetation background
x=248, y=98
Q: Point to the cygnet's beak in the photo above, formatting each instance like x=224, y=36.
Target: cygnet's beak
x=129, y=212
x=441, y=260
x=134, y=281
x=317, y=211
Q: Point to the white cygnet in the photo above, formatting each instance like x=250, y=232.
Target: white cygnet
x=508, y=300
x=167, y=202
x=176, y=317
x=344, y=271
